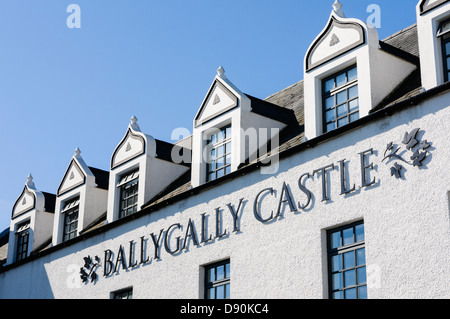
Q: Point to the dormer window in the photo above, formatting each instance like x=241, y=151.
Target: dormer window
x=219, y=150
x=444, y=34
x=128, y=184
x=340, y=99
x=70, y=211
x=22, y=239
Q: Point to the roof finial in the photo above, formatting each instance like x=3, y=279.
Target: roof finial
x=133, y=123
x=337, y=8
x=221, y=72
x=30, y=182
x=77, y=153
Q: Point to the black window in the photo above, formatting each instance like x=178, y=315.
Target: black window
x=128, y=188
x=444, y=34
x=123, y=294
x=23, y=238
x=219, y=154
x=347, y=262
x=340, y=99
x=217, y=281
x=70, y=212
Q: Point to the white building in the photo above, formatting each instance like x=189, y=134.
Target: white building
x=335, y=187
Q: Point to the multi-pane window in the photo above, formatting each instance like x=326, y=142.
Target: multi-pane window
x=217, y=281
x=219, y=154
x=347, y=262
x=340, y=99
x=128, y=189
x=70, y=212
x=444, y=34
x=123, y=294
x=23, y=238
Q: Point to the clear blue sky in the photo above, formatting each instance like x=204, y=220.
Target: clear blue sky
x=64, y=88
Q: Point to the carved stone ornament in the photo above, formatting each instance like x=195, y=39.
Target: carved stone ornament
x=334, y=40
x=419, y=152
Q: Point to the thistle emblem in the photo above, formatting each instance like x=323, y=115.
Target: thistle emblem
x=89, y=268
x=411, y=142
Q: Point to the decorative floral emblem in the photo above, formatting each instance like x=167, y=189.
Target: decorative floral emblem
x=419, y=150
x=89, y=268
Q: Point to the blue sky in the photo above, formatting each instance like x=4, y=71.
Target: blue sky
x=64, y=88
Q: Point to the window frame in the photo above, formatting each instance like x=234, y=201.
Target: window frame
x=325, y=95
x=123, y=185
x=69, y=212
x=22, y=240
x=216, y=145
x=445, y=39
x=128, y=292
x=354, y=247
x=218, y=283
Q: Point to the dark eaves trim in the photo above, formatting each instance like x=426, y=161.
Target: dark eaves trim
x=400, y=53
x=389, y=111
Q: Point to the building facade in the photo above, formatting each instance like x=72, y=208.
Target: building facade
x=335, y=187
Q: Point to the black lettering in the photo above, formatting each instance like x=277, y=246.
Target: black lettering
x=190, y=232
x=121, y=258
x=344, y=189
x=156, y=243
x=365, y=169
x=108, y=264
x=323, y=170
x=256, y=211
x=235, y=214
x=219, y=224
x=166, y=240
x=285, y=197
x=205, y=230
x=304, y=190
x=143, y=251
x=131, y=260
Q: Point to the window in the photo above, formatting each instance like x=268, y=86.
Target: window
x=22, y=236
x=123, y=294
x=219, y=154
x=347, y=262
x=70, y=212
x=340, y=99
x=217, y=281
x=444, y=34
x=128, y=187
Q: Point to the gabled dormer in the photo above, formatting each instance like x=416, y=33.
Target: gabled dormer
x=231, y=128
x=347, y=73
x=433, y=27
x=141, y=167
x=81, y=199
x=31, y=222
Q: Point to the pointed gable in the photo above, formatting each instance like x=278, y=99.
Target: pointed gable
x=25, y=202
x=221, y=98
x=132, y=145
x=73, y=177
x=338, y=37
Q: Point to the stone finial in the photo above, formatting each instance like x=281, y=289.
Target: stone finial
x=77, y=153
x=133, y=123
x=30, y=182
x=221, y=72
x=337, y=8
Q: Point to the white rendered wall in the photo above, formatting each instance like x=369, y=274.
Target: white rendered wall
x=407, y=229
